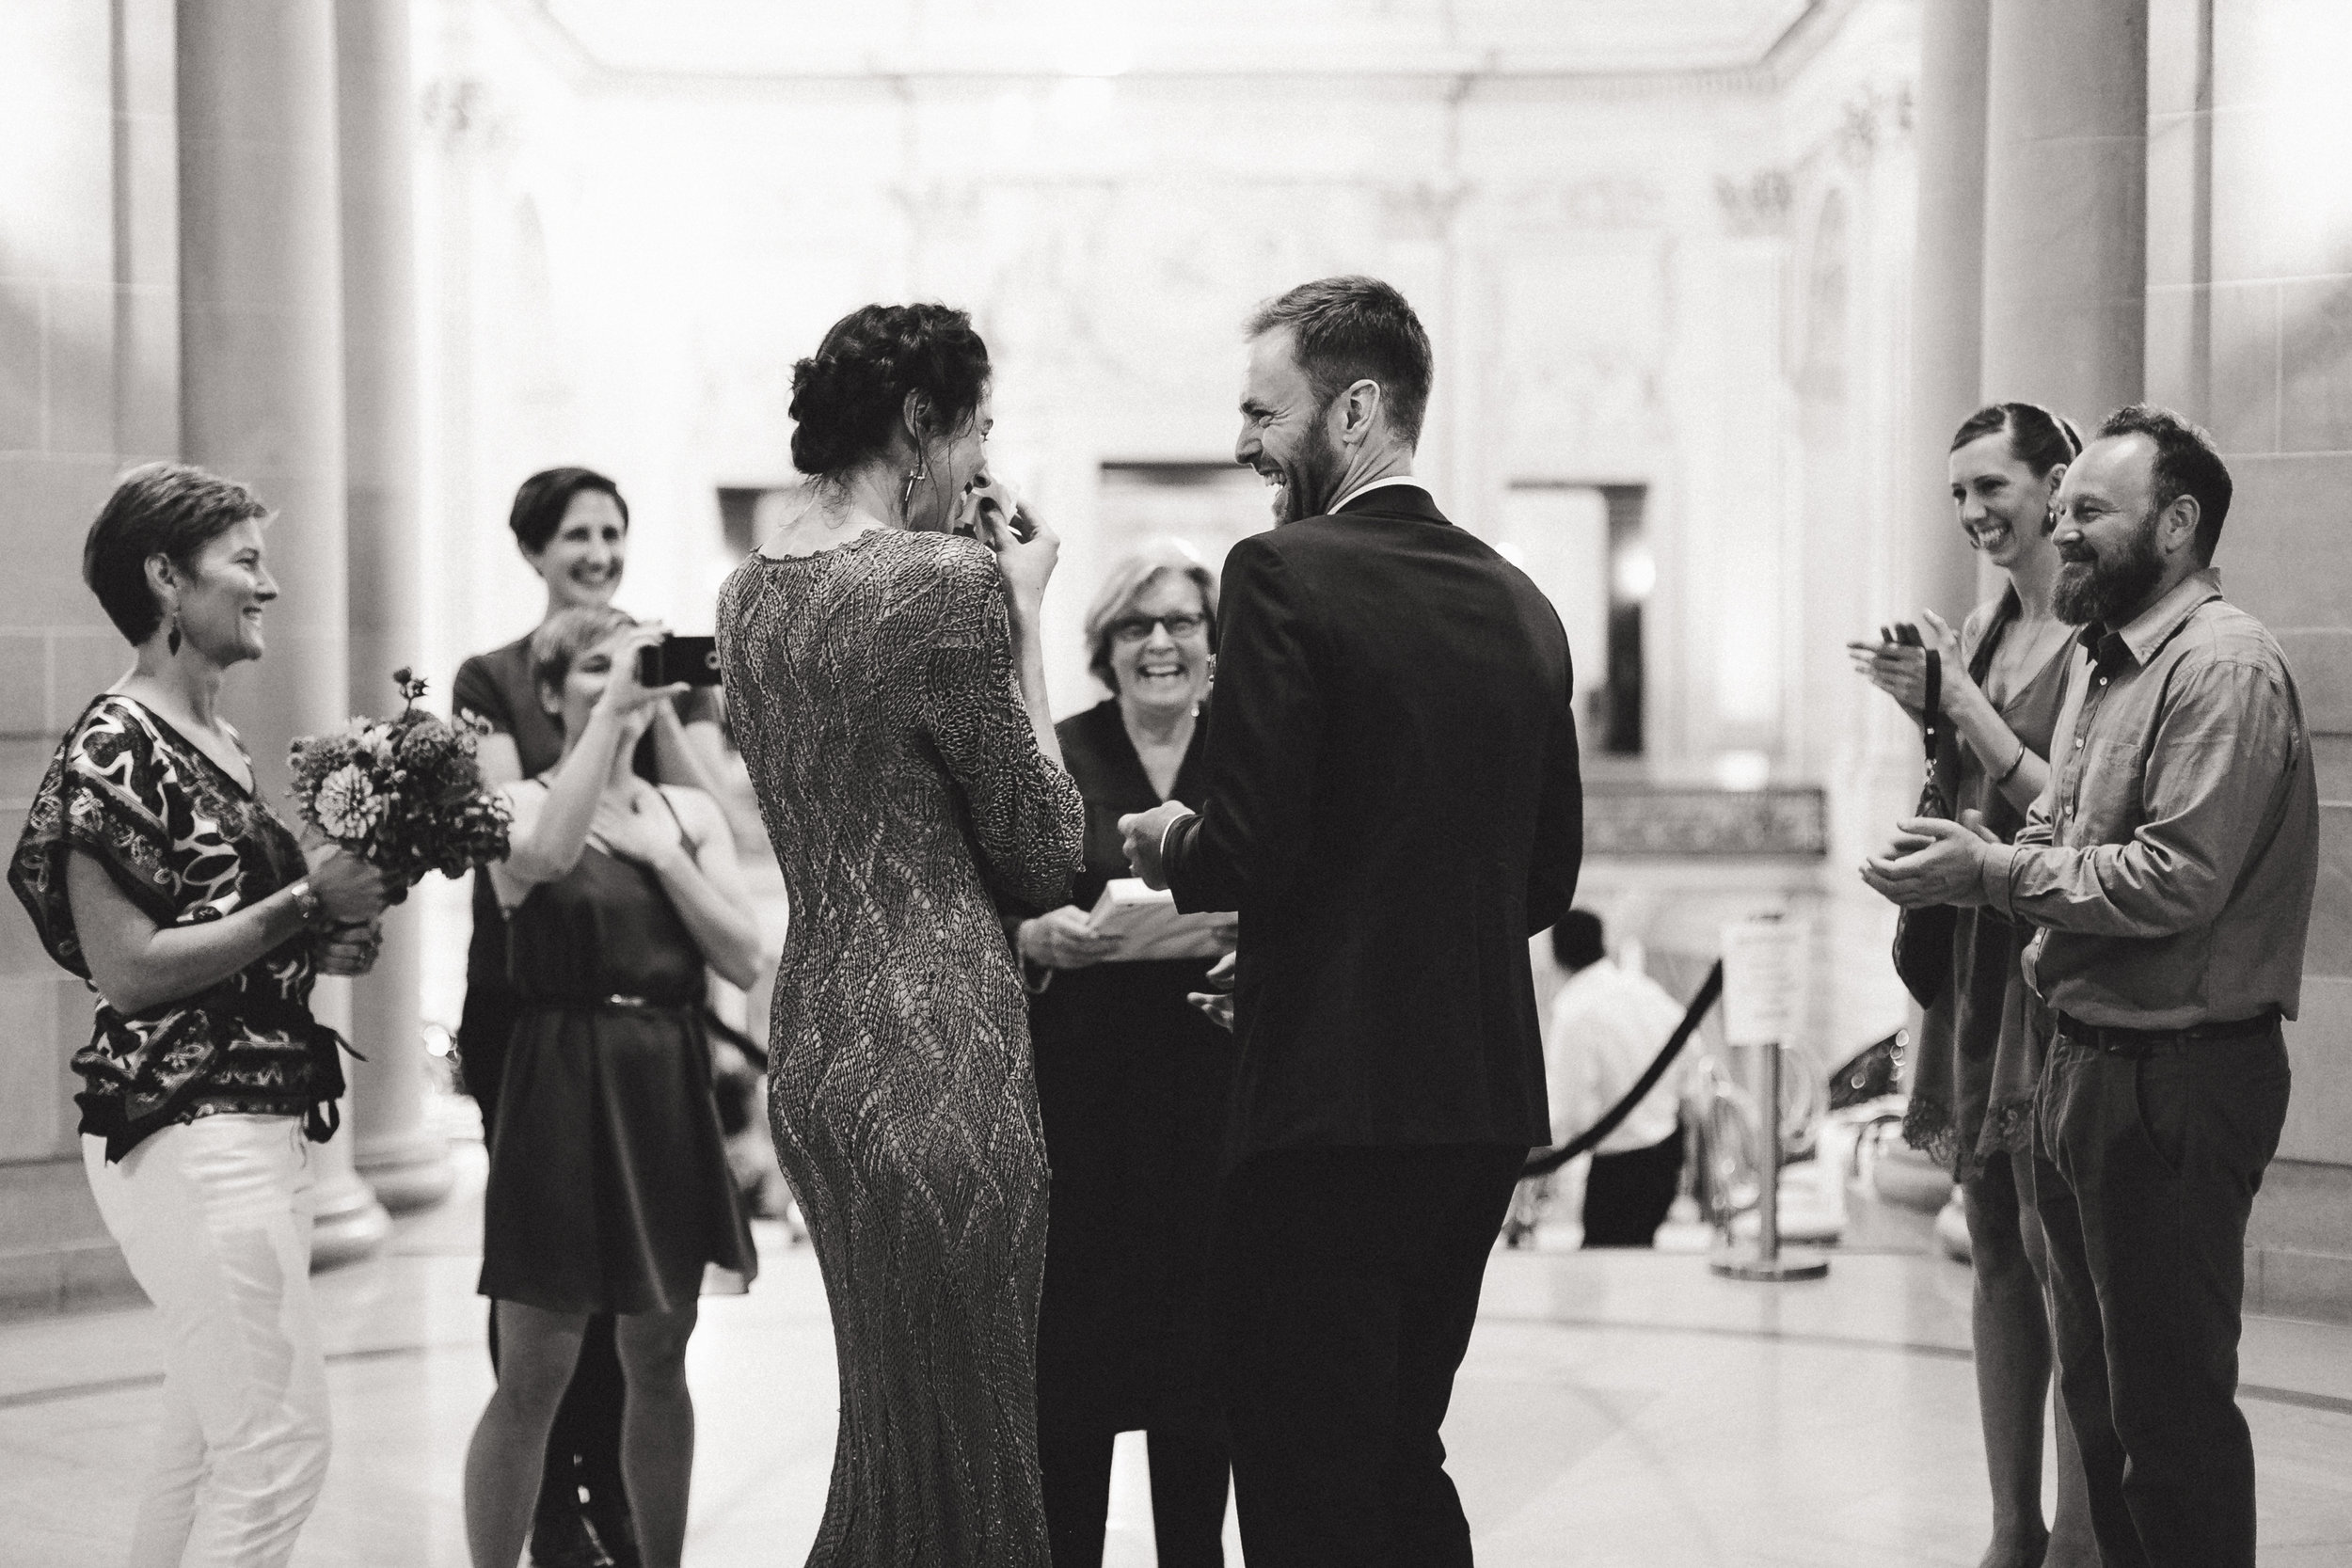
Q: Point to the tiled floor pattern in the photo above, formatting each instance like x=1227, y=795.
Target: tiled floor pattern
x=1615, y=1409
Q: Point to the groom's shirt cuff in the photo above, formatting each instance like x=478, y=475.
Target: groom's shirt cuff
x=1165, y=834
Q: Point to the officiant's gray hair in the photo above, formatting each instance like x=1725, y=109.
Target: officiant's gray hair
x=1126, y=582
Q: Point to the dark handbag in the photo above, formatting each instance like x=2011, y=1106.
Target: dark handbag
x=1923, y=937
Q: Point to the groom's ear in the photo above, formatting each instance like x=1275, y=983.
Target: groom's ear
x=1357, y=412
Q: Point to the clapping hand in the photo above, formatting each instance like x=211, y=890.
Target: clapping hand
x=1932, y=862
x=1900, y=669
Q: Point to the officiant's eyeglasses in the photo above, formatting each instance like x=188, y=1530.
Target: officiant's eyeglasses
x=1135, y=628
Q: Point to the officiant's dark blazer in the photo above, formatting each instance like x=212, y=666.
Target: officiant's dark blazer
x=1395, y=809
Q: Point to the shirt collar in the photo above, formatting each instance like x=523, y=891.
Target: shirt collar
x=2140, y=637
x=1367, y=488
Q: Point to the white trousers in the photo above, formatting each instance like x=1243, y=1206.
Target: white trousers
x=213, y=1217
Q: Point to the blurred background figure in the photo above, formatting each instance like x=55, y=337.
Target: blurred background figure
x=571, y=526
x=1606, y=1026
x=1133, y=1083
x=2003, y=679
x=608, y=1190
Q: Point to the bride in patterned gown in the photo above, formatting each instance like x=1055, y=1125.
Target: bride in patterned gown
x=885, y=681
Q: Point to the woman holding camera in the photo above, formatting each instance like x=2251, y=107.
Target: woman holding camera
x=2003, y=677
x=1133, y=1083
x=608, y=1190
x=572, y=530
x=155, y=870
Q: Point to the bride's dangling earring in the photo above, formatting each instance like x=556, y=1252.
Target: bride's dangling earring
x=906, y=497
x=171, y=643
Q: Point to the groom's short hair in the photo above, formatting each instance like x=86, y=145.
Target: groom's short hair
x=1351, y=329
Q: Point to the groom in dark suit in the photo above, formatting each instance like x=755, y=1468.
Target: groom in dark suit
x=1396, y=809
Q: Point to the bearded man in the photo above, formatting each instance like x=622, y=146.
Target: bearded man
x=2170, y=865
x=1394, y=810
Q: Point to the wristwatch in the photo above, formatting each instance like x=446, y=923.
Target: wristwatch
x=307, y=901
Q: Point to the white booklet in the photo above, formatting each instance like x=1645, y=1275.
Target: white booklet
x=1148, y=927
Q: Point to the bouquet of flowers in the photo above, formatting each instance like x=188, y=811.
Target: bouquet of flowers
x=404, y=794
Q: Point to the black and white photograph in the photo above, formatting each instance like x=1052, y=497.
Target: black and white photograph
x=1092, y=784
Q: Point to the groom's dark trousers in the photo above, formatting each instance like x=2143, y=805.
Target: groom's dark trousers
x=1395, y=810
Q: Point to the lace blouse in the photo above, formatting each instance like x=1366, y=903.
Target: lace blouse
x=187, y=843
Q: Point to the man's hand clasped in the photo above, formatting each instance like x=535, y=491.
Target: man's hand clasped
x=1932, y=862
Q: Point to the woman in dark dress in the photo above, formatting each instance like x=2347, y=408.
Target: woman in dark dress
x=887, y=683
x=608, y=1190
x=1133, y=1082
x=571, y=528
x=2004, y=677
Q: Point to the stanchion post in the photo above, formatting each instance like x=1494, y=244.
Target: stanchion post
x=1759, y=986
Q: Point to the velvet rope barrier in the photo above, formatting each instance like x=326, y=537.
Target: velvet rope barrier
x=1552, y=1159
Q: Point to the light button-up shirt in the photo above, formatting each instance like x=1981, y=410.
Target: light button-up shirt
x=2171, y=860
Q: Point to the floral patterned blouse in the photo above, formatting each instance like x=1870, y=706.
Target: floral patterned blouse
x=187, y=843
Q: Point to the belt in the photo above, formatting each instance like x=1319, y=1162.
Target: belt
x=618, y=1002
x=2119, y=1041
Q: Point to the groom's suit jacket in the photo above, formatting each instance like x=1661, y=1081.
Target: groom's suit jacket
x=1395, y=809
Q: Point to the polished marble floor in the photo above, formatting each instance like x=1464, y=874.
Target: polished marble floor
x=1619, y=1409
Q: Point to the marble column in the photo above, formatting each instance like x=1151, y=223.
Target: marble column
x=405, y=1160
x=262, y=395
x=2065, y=198
x=1947, y=296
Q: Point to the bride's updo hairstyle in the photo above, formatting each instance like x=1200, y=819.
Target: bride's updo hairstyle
x=851, y=394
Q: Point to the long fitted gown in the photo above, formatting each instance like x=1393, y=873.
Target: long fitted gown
x=873, y=693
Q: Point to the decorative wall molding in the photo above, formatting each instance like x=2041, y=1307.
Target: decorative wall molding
x=1758, y=206
x=1685, y=821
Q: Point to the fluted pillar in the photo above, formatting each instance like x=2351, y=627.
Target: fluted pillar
x=261, y=396
x=2065, y=198
x=401, y=1158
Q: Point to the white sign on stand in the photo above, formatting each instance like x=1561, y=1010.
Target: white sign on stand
x=1761, y=980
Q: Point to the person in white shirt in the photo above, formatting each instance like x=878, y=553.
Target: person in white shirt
x=1607, y=1026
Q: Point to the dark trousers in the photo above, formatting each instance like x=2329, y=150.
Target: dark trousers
x=1188, y=1482
x=1348, y=1283
x=2145, y=1169
x=1627, y=1196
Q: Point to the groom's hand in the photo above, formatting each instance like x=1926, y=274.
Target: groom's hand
x=1145, y=832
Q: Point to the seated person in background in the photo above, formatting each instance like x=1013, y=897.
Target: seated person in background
x=1607, y=1026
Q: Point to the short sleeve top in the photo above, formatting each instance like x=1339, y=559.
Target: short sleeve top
x=187, y=843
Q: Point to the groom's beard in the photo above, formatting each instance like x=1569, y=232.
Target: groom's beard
x=1312, y=484
x=2103, y=589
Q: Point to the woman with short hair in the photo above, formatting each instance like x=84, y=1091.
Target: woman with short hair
x=2004, y=676
x=155, y=871
x=1133, y=1083
x=571, y=527
x=608, y=1190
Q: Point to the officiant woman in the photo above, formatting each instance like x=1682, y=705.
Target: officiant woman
x=1133, y=1084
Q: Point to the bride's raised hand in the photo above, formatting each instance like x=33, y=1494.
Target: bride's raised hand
x=1026, y=563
